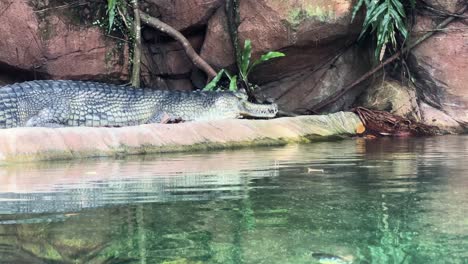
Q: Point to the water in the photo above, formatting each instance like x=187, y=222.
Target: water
x=353, y=201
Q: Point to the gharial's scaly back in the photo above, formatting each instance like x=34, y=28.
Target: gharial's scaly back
x=77, y=103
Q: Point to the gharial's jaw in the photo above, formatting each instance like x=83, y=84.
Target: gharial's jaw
x=248, y=109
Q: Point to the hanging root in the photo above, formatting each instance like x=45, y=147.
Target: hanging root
x=381, y=123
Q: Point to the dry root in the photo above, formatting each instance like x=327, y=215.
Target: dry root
x=381, y=123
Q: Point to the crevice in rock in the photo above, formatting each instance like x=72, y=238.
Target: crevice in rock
x=10, y=74
x=165, y=61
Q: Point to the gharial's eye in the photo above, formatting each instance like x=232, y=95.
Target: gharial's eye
x=241, y=94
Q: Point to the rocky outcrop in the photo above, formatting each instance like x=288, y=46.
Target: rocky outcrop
x=438, y=69
x=44, y=41
x=311, y=34
x=314, y=35
x=394, y=97
x=183, y=15
x=168, y=66
x=82, y=54
x=20, y=43
x=403, y=99
x=288, y=26
x=436, y=117
x=302, y=90
x=440, y=65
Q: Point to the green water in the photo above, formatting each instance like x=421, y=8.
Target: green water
x=378, y=201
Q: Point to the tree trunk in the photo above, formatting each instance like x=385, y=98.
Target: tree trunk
x=136, y=45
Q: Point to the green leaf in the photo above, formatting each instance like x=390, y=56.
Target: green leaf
x=270, y=55
x=245, y=60
x=378, y=12
x=399, y=7
x=384, y=20
x=228, y=75
x=373, y=16
x=356, y=9
x=212, y=84
x=233, y=83
x=111, y=5
x=266, y=57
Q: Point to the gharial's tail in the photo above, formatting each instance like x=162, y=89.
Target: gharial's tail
x=8, y=108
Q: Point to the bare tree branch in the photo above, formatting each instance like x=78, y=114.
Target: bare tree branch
x=163, y=27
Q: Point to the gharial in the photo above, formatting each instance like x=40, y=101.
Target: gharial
x=76, y=103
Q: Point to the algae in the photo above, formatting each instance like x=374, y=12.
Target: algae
x=309, y=12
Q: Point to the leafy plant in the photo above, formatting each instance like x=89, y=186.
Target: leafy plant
x=111, y=7
x=245, y=68
x=232, y=81
x=214, y=82
x=384, y=19
x=118, y=19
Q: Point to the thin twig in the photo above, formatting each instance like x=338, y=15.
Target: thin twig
x=121, y=39
x=444, y=13
x=442, y=29
x=124, y=19
x=75, y=4
x=6, y=8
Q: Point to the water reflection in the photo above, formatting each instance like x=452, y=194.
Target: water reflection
x=383, y=201
x=62, y=187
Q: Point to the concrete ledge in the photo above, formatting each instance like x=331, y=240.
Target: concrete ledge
x=28, y=144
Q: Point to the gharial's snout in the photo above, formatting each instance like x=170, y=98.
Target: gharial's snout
x=258, y=110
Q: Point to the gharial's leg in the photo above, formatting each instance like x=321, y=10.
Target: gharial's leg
x=45, y=118
x=163, y=118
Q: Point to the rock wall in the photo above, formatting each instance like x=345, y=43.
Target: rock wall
x=439, y=92
x=440, y=65
x=315, y=35
x=57, y=39
x=46, y=39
